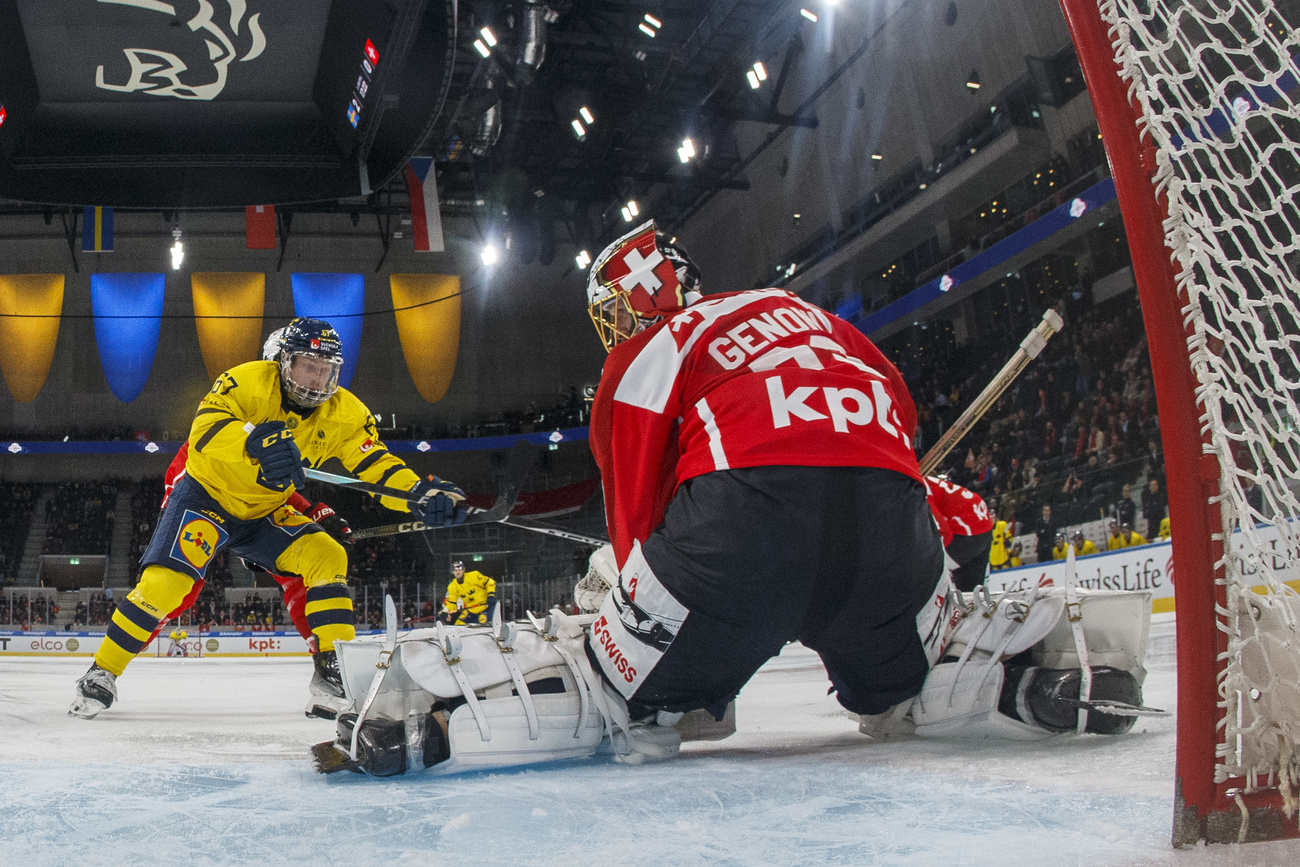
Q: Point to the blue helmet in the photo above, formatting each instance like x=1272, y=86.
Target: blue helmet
x=311, y=356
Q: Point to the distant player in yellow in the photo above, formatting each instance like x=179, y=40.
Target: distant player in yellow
x=999, y=557
x=1083, y=547
x=471, y=597
x=257, y=428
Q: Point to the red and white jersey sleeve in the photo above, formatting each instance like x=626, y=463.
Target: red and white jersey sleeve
x=746, y=379
x=958, y=511
x=175, y=470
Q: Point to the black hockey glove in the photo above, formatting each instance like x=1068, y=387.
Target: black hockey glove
x=331, y=522
x=439, y=504
x=271, y=445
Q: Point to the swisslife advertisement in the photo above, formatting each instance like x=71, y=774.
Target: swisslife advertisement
x=1143, y=568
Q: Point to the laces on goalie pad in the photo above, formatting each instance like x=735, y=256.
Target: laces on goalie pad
x=459, y=698
x=1100, y=641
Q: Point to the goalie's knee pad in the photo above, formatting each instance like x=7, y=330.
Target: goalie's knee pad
x=961, y=699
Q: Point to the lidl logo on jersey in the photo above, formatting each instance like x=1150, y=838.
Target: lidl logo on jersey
x=197, y=540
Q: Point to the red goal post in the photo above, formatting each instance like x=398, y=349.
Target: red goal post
x=1186, y=96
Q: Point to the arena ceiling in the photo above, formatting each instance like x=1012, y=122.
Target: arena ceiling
x=545, y=119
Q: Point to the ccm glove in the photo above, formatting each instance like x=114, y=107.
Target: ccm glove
x=271, y=445
x=332, y=522
x=439, y=503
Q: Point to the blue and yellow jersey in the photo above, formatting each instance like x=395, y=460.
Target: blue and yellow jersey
x=248, y=395
x=473, y=591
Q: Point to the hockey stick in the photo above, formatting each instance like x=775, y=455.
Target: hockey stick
x=521, y=460
x=1028, y=351
x=509, y=520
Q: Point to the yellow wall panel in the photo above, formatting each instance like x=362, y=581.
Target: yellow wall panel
x=235, y=301
x=27, y=339
x=428, y=325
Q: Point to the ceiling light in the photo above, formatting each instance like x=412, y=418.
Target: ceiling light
x=973, y=80
x=481, y=47
x=627, y=215
x=653, y=21
x=178, y=250
x=877, y=157
x=489, y=255
x=753, y=79
x=488, y=37
x=646, y=29
x=760, y=70
x=586, y=115
x=810, y=15
x=686, y=151
x=583, y=259
x=578, y=128
x=632, y=208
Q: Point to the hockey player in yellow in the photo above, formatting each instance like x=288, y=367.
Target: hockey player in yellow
x=998, y=553
x=471, y=597
x=257, y=428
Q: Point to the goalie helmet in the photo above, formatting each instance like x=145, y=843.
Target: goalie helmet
x=640, y=278
x=311, y=356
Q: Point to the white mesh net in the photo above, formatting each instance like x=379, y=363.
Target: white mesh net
x=1215, y=82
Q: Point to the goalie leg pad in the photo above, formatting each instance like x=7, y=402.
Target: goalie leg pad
x=1006, y=624
x=961, y=700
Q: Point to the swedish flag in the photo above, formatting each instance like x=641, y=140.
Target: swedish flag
x=96, y=230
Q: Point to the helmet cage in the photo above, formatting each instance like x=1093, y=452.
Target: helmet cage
x=646, y=274
x=301, y=394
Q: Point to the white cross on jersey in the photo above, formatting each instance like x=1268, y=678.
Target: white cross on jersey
x=640, y=271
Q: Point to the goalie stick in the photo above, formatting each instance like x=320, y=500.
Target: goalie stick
x=1033, y=344
x=521, y=461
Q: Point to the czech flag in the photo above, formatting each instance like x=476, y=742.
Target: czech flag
x=426, y=220
x=96, y=230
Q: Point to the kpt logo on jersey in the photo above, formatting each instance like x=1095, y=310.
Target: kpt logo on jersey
x=198, y=540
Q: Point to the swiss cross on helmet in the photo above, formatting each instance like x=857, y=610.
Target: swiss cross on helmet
x=641, y=277
x=311, y=356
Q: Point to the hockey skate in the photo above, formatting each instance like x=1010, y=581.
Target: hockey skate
x=327, y=699
x=96, y=691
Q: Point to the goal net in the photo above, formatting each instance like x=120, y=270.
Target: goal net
x=1198, y=102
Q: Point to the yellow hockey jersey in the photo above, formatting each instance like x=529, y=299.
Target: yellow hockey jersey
x=473, y=592
x=248, y=395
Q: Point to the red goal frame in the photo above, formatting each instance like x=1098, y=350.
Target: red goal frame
x=1203, y=810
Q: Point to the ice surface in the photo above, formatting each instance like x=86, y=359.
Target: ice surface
x=204, y=761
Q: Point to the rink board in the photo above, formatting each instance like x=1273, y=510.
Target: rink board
x=1145, y=568
x=53, y=643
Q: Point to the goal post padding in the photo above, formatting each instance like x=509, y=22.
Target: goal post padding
x=1186, y=326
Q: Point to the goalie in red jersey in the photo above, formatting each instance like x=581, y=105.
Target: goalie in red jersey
x=760, y=488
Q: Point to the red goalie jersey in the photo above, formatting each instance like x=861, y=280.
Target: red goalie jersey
x=745, y=379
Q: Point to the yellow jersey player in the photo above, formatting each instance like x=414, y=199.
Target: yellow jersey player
x=471, y=597
x=257, y=428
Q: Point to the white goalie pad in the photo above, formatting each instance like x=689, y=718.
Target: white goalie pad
x=960, y=696
x=521, y=695
x=961, y=700
x=518, y=693
x=1116, y=626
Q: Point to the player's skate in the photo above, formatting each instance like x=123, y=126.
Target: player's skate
x=96, y=691
x=327, y=700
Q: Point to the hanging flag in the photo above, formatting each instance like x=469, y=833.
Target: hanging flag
x=128, y=318
x=427, y=309
x=31, y=305
x=426, y=219
x=228, y=307
x=259, y=227
x=96, y=229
